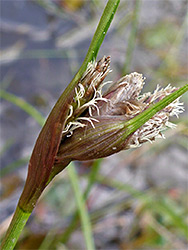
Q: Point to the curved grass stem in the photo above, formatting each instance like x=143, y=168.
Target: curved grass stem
x=16, y=226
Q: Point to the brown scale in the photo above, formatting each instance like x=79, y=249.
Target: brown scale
x=102, y=66
x=130, y=107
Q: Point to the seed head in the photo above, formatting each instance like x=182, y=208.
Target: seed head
x=99, y=123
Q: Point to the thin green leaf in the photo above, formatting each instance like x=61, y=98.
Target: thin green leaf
x=13, y=166
x=142, y=118
x=29, y=109
x=6, y=146
x=91, y=180
x=96, y=42
x=84, y=215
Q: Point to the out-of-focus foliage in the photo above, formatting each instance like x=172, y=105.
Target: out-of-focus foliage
x=136, y=199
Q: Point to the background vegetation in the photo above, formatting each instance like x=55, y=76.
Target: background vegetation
x=136, y=199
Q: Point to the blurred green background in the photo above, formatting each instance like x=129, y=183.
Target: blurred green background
x=136, y=199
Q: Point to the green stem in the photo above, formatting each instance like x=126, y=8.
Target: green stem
x=23, y=105
x=16, y=226
x=96, y=42
x=142, y=118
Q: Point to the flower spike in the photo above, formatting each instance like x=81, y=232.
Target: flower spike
x=106, y=129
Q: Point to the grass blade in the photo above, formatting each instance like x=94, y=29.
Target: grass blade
x=86, y=225
x=29, y=109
